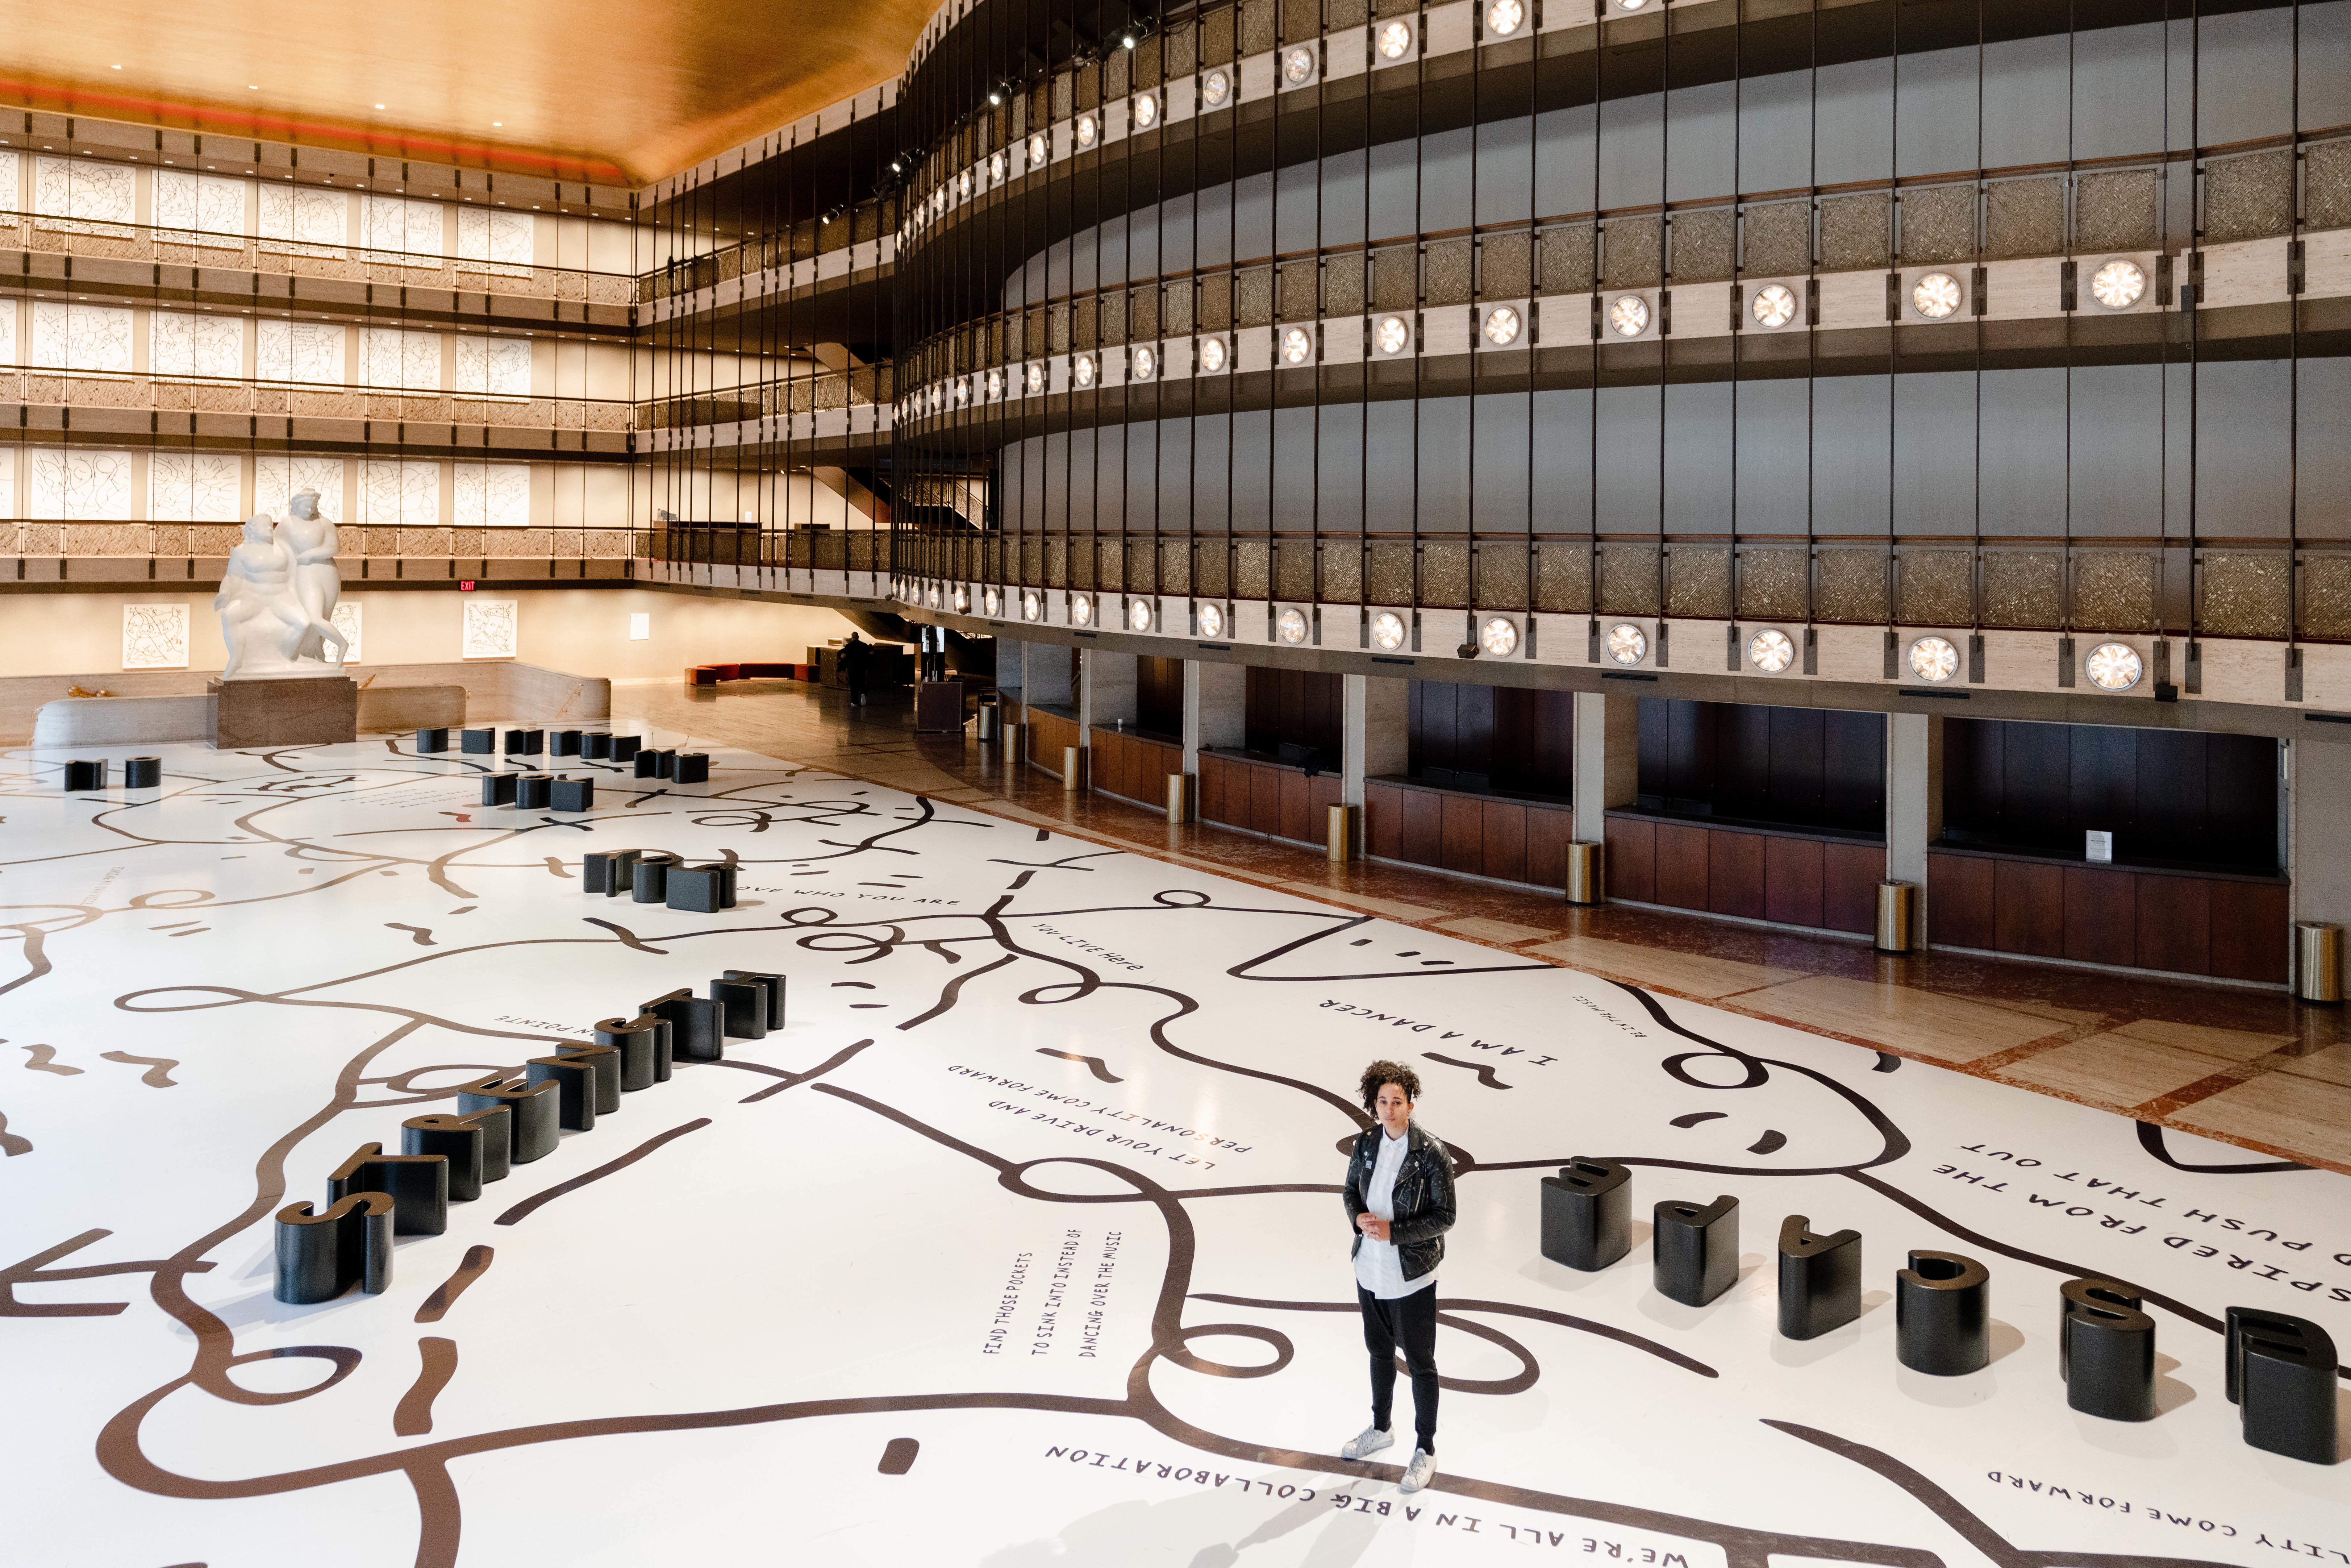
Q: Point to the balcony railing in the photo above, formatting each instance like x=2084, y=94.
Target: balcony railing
x=309, y=400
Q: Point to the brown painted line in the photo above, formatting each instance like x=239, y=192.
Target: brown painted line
x=413, y=1416
x=445, y=1294
x=524, y=1209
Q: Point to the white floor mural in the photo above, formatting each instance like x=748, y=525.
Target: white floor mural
x=1021, y=1243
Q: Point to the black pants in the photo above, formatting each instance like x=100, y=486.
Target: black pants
x=1409, y=1323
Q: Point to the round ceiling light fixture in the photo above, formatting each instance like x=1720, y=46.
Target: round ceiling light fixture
x=1936, y=295
x=1212, y=354
x=1394, y=40
x=995, y=385
x=962, y=600
x=1085, y=131
x=1628, y=315
x=936, y=597
x=1771, y=651
x=1030, y=606
x=1037, y=151
x=1387, y=631
x=1146, y=363
x=2113, y=667
x=1504, y=17
x=1934, y=659
x=1296, y=346
x=1298, y=65
x=1627, y=644
x=1392, y=336
x=1146, y=112
x=995, y=167
x=1081, y=611
x=1216, y=87
x=1499, y=636
x=963, y=184
x=1138, y=614
x=1774, y=305
x=1504, y=324
x=1083, y=371
x=1291, y=627
x=1212, y=621
x=993, y=598
x=1036, y=378
x=2118, y=285
x=962, y=392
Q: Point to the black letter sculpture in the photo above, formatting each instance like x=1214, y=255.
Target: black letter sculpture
x=1942, y=1315
x=1587, y=1214
x=1819, y=1279
x=2105, y=1351
x=475, y=1147
x=319, y=1255
x=2281, y=1380
x=1696, y=1250
x=537, y=1125
x=417, y=1184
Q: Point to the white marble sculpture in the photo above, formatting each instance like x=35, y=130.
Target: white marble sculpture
x=277, y=600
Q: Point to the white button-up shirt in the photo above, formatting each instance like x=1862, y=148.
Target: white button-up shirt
x=1379, y=1267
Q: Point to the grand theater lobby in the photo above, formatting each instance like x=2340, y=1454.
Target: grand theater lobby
x=744, y=755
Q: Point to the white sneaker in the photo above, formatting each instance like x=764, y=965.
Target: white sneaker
x=1419, y=1473
x=1366, y=1443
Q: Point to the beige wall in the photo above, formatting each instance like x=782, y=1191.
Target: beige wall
x=581, y=632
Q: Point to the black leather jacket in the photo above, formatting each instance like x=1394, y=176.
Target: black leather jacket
x=1424, y=1195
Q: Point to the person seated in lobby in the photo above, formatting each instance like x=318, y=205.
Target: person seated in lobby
x=1399, y=1198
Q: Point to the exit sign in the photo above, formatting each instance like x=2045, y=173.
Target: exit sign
x=466, y=586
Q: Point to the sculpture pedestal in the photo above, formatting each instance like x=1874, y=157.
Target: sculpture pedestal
x=289, y=710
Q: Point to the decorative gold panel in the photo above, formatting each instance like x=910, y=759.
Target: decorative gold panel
x=1343, y=284
x=1505, y=266
x=1697, y=583
x=1032, y=559
x=2244, y=593
x=1082, y=317
x=1564, y=577
x=1059, y=318
x=1142, y=314
x=1302, y=20
x=1215, y=301
x=2249, y=197
x=1057, y=560
x=1182, y=53
x=1297, y=302
x=1256, y=36
x=1399, y=8
x=1211, y=568
x=1778, y=239
x=1256, y=296
x=1850, y=585
x=1177, y=298
x=1502, y=574
x=1338, y=16
x=1628, y=579
x=1293, y=561
x=1252, y=570
x=1705, y=244
x=1447, y=262
x=2326, y=184
x=1216, y=35
x=1110, y=562
x=1175, y=566
x=1567, y=259
x=2326, y=596
x=1342, y=571
x=1445, y=574
x=1633, y=254
x=2025, y=217
x=1390, y=572
x=1148, y=54
x=2023, y=588
x=1939, y=223
x=1936, y=588
x=1854, y=232
x=1772, y=583
x=1111, y=309
x=2115, y=211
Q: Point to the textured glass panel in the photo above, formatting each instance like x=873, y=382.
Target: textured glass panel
x=1502, y=574
x=1633, y=254
x=1177, y=298
x=1448, y=272
x=1252, y=569
x=1081, y=325
x=1256, y=36
x=1032, y=558
x=1852, y=232
x=1211, y=562
x=1183, y=53
x=1395, y=279
x=1255, y=303
x=1148, y=53
x=1301, y=18
x=1058, y=328
x=1143, y=311
x=2249, y=197
x=2244, y=594
x=1298, y=290
x=1057, y=560
x=1342, y=571
x=1112, y=310
x=1628, y=579
x=1850, y=586
x=1567, y=259
x=2023, y=588
x=1294, y=570
x=1939, y=223
x=1778, y=239
x=1175, y=566
x=1343, y=284
x=1704, y=244
x=1142, y=567
x=1772, y=583
x=1216, y=35
x=2327, y=597
x=1937, y=588
x=1445, y=574
x=1215, y=301
x=2114, y=590
x=2115, y=211
x=1389, y=572
x=1563, y=576
x=1115, y=66
x=1698, y=584
x=1506, y=264
x=2025, y=217
x=2326, y=184
x=1065, y=90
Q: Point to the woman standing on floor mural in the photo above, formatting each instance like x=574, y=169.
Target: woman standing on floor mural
x=1400, y=1199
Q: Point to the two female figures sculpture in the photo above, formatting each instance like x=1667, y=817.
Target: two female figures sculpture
x=277, y=602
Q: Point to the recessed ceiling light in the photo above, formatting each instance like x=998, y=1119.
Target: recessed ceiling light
x=497, y=122
x=379, y=105
x=114, y=67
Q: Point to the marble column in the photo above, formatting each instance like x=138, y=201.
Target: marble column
x=1215, y=708
x=1044, y=677
x=1105, y=691
x=1607, y=760
x=2318, y=828
x=1914, y=807
x=1376, y=737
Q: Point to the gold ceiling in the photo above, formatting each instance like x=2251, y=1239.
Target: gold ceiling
x=581, y=89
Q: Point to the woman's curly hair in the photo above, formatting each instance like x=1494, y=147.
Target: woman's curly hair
x=1385, y=1072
